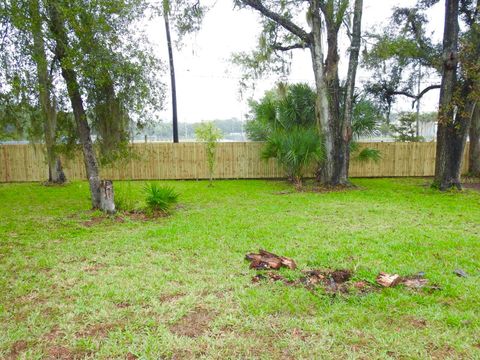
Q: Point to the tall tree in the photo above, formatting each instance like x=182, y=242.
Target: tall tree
x=46, y=96
x=173, y=84
x=470, y=53
x=456, y=104
x=109, y=72
x=281, y=33
x=26, y=54
x=474, y=150
x=186, y=17
x=351, y=77
x=69, y=74
x=398, y=54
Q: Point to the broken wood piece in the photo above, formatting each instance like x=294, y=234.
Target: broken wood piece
x=267, y=260
x=388, y=280
x=414, y=283
x=460, y=273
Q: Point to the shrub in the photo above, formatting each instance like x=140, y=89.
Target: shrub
x=296, y=150
x=209, y=134
x=160, y=198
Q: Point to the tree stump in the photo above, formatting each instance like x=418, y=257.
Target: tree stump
x=107, y=203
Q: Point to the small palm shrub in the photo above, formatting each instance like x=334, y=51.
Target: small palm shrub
x=160, y=198
x=296, y=150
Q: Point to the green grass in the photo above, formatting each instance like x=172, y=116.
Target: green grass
x=111, y=289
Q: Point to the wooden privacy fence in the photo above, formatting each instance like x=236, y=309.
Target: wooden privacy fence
x=236, y=160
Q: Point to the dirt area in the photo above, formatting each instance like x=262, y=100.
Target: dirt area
x=193, y=324
x=314, y=187
x=53, y=334
x=123, y=305
x=472, y=186
x=167, y=298
x=94, y=268
x=333, y=282
x=121, y=216
x=97, y=330
x=60, y=353
x=17, y=348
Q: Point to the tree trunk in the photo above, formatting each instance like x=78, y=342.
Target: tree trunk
x=73, y=88
x=452, y=125
x=55, y=170
x=172, y=79
x=474, y=151
x=332, y=171
x=322, y=107
x=351, y=78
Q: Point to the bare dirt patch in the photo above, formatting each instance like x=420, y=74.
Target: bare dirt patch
x=332, y=281
x=166, y=298
x=472, y=186
x=442, y=352
x=17, y=348
x=121, y=216
x=193, y=324
x=417, y=323
x=131, y=356
x=315, y=187
x=97, y=330
x=60, y=353
x=93, y=221
x=123, y=305
x=53, y=334
x=94, y=268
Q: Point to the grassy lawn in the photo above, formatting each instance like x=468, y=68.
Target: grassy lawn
x=178, y=287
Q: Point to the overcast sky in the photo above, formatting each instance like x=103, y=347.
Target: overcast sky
x=208, y=83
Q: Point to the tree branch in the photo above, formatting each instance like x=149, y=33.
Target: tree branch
x=281, y=47
x=279, y=19
x=427, y=89
x=415, y=97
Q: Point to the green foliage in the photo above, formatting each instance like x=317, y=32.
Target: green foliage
x=209, y=134
x=285, y=107
x=296, y=150
x=397, y=54
x=366, y=119
x=123, y=198
x=285, y=119
x=117, y=72
x=369, y=154
x=406, y=130
x=160, y=198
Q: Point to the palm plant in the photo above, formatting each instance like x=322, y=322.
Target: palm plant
x=160, y=198
x=285, y=119
x=281, y=109
x=296, y=149
x=365, y=123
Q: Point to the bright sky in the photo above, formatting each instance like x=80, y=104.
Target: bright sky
x=207, y=82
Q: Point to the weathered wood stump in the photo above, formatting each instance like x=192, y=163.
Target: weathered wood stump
x=107, y=203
